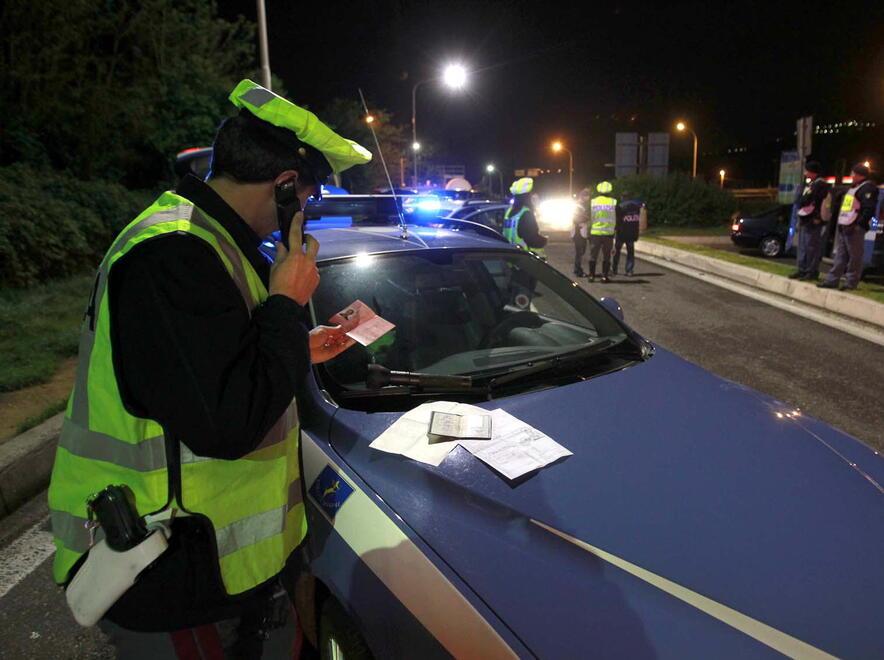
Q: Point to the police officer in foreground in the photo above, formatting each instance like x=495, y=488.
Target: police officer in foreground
x=810, y=223
x=191, y=351
x=520, y=221
x=854, y=219
x=626, y=232
x=580, y=230
x=602, y=223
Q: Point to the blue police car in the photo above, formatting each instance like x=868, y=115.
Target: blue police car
x=695, y=518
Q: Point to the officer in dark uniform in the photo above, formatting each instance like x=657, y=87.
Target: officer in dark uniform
x=810, y=223
x=626, y=231
x=854, y=219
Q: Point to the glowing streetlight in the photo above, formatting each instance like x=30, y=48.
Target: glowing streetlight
x=867, y=163
x=369, y=119
x=557, y=147
x=454, y=76
x=490, y=168
x=721, y=174
x=681, y=126
x=415, y=146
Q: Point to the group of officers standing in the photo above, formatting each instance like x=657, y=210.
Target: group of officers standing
x=602, y=222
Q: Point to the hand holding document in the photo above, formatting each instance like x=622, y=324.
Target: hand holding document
x=361, y=323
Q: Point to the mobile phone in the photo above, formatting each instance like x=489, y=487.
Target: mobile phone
x=287, y=205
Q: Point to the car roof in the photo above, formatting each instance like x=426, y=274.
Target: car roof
x=349, y=241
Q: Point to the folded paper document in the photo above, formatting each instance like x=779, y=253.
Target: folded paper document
x=450, y=426
x=362, y=323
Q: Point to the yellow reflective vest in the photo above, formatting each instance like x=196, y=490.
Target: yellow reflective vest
x=602, y=215
x=253, y=504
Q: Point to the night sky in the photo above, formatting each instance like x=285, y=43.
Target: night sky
x=741, y=73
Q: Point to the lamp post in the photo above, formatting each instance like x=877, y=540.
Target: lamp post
x=721, y=174
x=681, y=126
x=557, y=147
x=262, y=44
x=454, y=76
x=491, y=169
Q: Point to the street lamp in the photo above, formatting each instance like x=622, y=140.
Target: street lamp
x=491, y=169
x=721, y=181
x=867, y=163
x=369, y=119
x=557, y=147
x=681, y=126
x=454, y=76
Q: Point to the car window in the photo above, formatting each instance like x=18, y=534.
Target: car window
x=458, y=312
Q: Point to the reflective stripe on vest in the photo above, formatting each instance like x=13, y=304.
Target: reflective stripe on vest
x=603, y=215
x=254, y=503
x=511, y=231
x=849, y=207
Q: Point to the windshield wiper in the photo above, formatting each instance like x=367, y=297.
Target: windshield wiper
x=379, y=376
x=568, y=358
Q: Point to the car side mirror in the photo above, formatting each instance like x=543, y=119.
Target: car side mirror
x=612, y=306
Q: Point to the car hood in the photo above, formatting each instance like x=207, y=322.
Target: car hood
x=695, y=480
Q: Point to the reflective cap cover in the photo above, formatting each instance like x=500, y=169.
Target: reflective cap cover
x=522, y=186
x=340, y=152
x=604, y=187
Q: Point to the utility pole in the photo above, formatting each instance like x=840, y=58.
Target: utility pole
x=262, y=45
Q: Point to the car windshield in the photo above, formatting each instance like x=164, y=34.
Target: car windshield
x=459, y=312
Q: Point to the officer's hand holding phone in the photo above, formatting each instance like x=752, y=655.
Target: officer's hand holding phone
x=294, y=274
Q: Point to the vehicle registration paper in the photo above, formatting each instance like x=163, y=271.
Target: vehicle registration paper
x=361, y=323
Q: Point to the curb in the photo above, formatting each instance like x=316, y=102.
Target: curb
x=26, y=463
x=830, y=300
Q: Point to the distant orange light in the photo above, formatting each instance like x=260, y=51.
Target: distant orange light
x=369, y=119
x=557, y=146
x=867, y=163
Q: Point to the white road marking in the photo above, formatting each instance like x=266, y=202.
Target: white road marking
x=24, y=555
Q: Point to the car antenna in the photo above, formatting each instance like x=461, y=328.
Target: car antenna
x=403, y=228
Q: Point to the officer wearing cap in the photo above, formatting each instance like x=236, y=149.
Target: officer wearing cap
x=191, y=351
x=854, y=219
x=520, y=222
x=810, y=223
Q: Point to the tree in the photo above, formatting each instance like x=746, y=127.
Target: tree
x=114, y=89
x=347, y=117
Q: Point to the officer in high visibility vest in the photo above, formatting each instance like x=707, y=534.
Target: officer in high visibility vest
x=811, y=226
x=854, y=219
x=602, y=222
x=191, y=349
x=520, y=222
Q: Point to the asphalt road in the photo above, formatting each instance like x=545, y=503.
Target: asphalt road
x=831, y=375
x=828, y=374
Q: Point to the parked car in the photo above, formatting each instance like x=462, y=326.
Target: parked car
x=489, y=214
x=695, y=518
x=766, y=231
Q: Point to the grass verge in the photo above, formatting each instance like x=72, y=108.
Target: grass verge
x=39, y=327
x=668, y=230
x=871, y=290
x=41, y=417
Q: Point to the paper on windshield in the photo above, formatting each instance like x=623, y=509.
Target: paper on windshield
x=515, y=448
x=408, y=434
x=361, y=323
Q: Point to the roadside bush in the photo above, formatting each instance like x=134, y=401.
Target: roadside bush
x=53, y=225
x=679, y=200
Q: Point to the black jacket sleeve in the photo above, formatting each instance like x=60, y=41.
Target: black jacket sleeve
x=530, y=232
x=187, y=353
x=868, y=202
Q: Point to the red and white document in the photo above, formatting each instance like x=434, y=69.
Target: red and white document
x=361, y=323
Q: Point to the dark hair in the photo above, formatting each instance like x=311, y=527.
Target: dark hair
x=252, y=151
x=860, y=169
x=813, y=166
